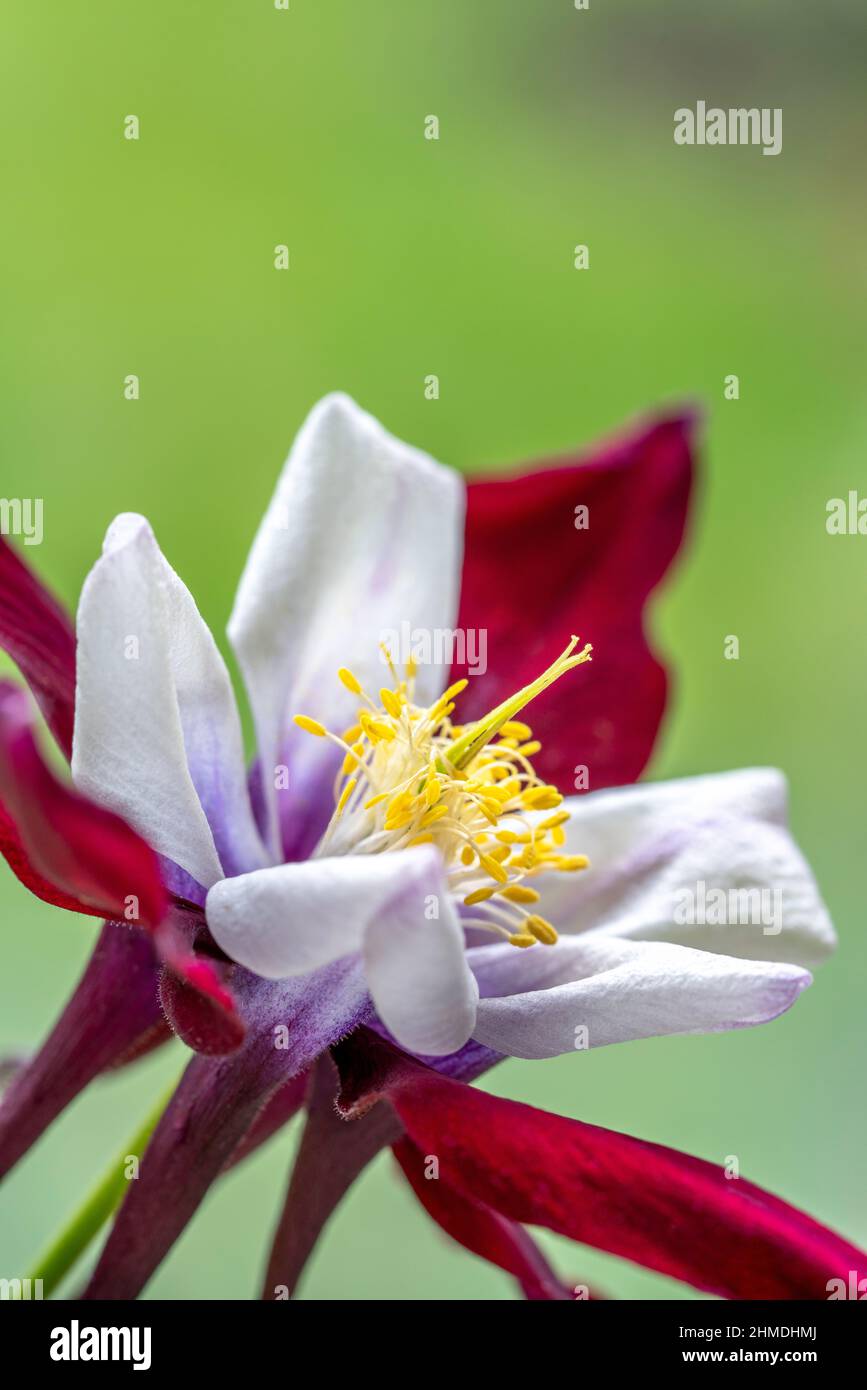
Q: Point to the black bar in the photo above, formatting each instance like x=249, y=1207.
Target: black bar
x=203, y=1338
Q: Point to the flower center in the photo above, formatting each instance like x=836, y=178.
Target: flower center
x=411, y=777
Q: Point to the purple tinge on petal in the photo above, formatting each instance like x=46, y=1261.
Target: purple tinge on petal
x=228, y=807
x=332, y=1154
x=621, y=990
x=289, y=1023
x=258, y=799
x=113, y=1014
x=306, y=804
x=469, y=1062
x=181, y=884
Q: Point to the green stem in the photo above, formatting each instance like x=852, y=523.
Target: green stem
x=97, y=1207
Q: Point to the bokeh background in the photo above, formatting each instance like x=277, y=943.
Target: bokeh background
x=411, y=257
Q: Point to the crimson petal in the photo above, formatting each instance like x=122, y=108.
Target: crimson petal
x=38, y=635
x=666, y=1210
x=77, y=853
x=214, y=1107
x=206, y=1024
x=113, y=1014
x=13, y=851
x=530, y=579
x=481, y=1230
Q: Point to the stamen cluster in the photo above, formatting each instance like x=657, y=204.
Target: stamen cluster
x=411, y=776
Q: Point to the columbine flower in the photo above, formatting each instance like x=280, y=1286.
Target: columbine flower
x=437, y=832
x=404, y=860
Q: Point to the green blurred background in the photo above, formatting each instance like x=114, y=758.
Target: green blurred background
x=411, y=257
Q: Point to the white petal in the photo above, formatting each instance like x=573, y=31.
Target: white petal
x=363, y=534
x=294, y=918
x=652, y=844
x=417, y=969
x=157, y=736
x=620, y=990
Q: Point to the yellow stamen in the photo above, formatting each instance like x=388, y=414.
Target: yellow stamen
x=541, y=929
x=439, y=713
x=390, y=702
x=500, y=794
x=310, y=726
x=433, y=788
x=493, y=868
x=377, y=728
x=388, y=660
x=542, y=798
x=529, y=750
x=422, y=780
x=352, y=759
x=500, y=853
x=481, y=895
x=513, y=728
x=352, y=683
x=517, y=893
